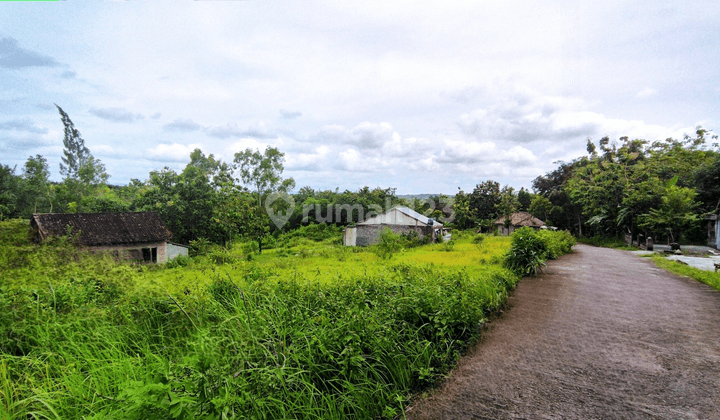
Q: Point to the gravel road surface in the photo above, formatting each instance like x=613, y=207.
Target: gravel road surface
x=602, y=334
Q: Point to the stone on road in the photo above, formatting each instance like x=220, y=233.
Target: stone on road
x=601, y=334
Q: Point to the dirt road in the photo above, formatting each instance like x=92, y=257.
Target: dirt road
x=602, y=334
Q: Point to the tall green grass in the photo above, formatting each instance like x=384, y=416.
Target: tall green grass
x=299, y=332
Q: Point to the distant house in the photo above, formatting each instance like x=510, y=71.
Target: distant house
x=398, y=219
x=140, y=236
x=516, y=221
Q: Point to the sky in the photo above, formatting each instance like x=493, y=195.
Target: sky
x=425, y=97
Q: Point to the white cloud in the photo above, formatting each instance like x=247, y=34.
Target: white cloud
x=316, y=161
x=116, y=114
x=646, y=93
x=23, y=124
x=173, y=152
x=257, y=130
x=289, y=115
x=511, y=86
x=182, y=124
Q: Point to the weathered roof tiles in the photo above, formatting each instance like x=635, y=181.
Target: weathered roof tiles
x=96, y=229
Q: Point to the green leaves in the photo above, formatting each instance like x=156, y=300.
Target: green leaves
x=530, y=249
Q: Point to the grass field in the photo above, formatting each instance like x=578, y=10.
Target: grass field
x=710, y=278
x=306, y=330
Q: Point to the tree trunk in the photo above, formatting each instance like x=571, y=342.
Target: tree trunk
x=579, y=227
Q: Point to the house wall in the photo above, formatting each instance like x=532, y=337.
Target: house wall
x=505, y=231
x=174, y=251
x=133, y=252
x=350, y=236
x=369, y=234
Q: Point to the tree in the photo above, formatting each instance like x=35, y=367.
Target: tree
x=524, y=199
x=36, y=174
x=508, y=204
x=541, y=208
x=83, y=172
x=675, y=212
x=263, y=174
x=9, y=192
x=75, y=153
x=484, y=200
x=707, y=184
x=463, y=215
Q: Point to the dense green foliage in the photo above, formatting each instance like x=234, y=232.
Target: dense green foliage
x=661, y=189
x=530, y=249
x=305, y=330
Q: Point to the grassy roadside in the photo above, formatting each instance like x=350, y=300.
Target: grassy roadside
x=710, y=278
x=308, y=329
x=607, y=243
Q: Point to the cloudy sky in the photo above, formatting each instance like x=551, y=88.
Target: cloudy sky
x=421, y=96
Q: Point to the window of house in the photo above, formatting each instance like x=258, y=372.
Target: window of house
x=149, y=254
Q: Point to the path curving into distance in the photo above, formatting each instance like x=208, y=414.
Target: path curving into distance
x=601, y=334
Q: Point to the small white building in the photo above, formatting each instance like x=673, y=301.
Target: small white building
x=398, y=219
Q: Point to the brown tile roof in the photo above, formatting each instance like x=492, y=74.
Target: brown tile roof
x=521, y=218
x=103, y=228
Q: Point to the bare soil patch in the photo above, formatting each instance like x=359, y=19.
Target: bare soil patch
x=602, y=334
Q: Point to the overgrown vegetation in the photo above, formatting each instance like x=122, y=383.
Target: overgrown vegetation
x=530, y=249
x=308, y=329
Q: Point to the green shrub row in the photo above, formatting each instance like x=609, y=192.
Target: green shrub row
x=530, y=249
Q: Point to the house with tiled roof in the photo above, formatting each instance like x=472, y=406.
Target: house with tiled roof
x=135, y=236
x=508, y=225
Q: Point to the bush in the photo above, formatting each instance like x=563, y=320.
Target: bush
x=530, y=249
x=179, y=261
x=557, y=243
x=478, y=239
x=527, y=252
x=200, y=246
x=389, y=244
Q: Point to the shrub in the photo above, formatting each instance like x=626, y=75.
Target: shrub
x=530, y=249
x=557, y=243
x=412, y=239
x=200, y=246
x=478, y=239
x=389, y=244
x=527, y=252
x=179, y=261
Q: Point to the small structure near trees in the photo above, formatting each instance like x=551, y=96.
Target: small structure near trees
x=713, y=230
x=135, y=236
x=400, y=220
x=507, y=225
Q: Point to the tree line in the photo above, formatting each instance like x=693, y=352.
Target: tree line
x=209, y=199
x=626, y=186
x=662, y=189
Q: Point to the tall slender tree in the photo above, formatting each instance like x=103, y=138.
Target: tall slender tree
x=75, y=153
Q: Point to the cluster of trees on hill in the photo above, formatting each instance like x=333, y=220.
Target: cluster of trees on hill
x=662, y=189
x=627, y=186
